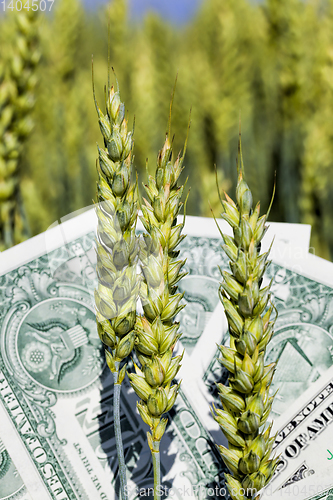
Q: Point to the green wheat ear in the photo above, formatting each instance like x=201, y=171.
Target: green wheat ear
x=246, y=402
x=17, y=85
x=156, y=330
x=117, y=251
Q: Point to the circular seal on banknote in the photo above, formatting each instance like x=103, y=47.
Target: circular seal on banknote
x=57, y=345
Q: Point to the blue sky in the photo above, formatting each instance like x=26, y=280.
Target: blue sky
x=178, y=11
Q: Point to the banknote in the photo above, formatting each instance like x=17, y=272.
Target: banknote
x=304, y=441
x=56, y=391
x=302, y=292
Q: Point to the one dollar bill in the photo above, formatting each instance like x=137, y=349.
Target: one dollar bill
x=56, y=391
x=302, y=292
x=304, y=442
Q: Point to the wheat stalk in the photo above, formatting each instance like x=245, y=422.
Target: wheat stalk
x=117, y=251
x=156, y=330
x=17, y=84
x=246, y=402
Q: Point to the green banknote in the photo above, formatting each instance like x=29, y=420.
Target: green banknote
x=304, y=442
x=56, y=391
x=303, y=341
x=302, y=291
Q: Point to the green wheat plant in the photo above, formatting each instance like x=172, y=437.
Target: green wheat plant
x=156, y=330
x=17, y=85
x=246, y=402
x=117, y=251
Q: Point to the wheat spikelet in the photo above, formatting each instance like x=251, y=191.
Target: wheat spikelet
x=17, y=84
x=117, y=251
x=156, y=330
x=246, y=402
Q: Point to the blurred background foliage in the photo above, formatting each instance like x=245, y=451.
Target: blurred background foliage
x=272, y=61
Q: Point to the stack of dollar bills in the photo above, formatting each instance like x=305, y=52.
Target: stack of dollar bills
x=56, y=422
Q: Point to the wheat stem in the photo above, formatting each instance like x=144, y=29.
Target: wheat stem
x=117, y=433
x=157, y=469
